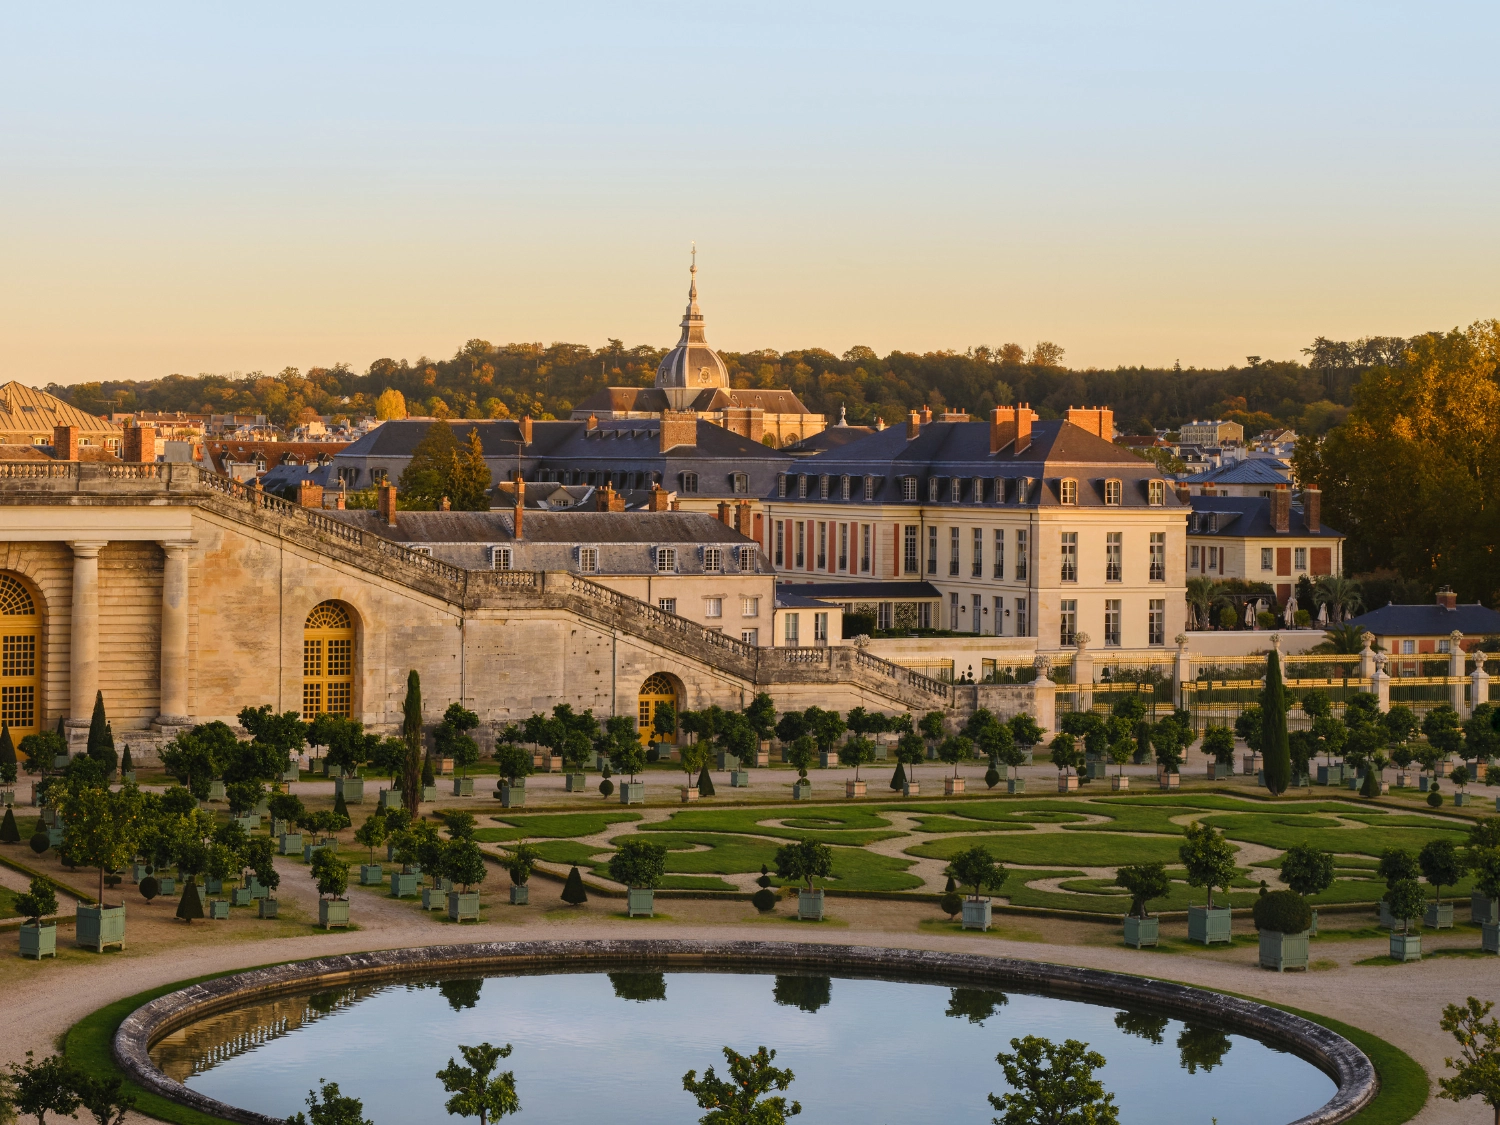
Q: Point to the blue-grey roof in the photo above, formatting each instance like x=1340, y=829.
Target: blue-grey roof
x=1249, y=516
x=862, y=591
x=1252, y=471
x=1429, y=620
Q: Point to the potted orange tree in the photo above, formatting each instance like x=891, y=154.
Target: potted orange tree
x=38, y=938
x=520, y=864
x=103, y=829
x=514, y=764
x=803, y=862
x=463, y=865
x=1442, y=866
x=1209, y=859
x=1145, y=882
x=1284, y=920
x=977, y=869
x=331, y=875
x=954, y=750
x=857, y=751
x=801, y=754
x=640, y=865
x=1403, y=900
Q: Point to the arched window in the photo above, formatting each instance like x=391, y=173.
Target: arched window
x=658, y=689
x=20, y=642
x=328, y=661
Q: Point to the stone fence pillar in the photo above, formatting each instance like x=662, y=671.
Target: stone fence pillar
x=1456, y=670
x=1380, y=683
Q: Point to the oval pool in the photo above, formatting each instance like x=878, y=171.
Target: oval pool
x=616, y=1043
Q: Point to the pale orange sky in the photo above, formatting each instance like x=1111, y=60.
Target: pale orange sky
x=221, y=192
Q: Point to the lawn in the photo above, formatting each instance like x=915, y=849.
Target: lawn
x=763, y=822
x=559, y=825
x=1081, y=849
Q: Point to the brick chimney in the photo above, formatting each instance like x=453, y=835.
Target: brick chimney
x=678, y=427
x=954, y=416
x=519, y=487
x=338, y=501
x=659, y=501
x=1184, y=493
x=309, y=495
x=526, y=429
x=445, y=505
x=385, y=503
x=593, y=422
x=139, y=446
x=1002, y=427
x=1023, y=427
x=1097, y=420
x=725, y=510
x=607, y=499
x=742, y=519
x=926, y=414
x=65, y=443
x=747, y=421
x=1447, y=598
x=1312, y=509
x=1281, y=509
x=913, y=425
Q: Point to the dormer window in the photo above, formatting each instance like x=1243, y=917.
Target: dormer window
x=869, y=488
x=979, y=490
x=932, y=490
x=739, y=483
x=801, y=486
x=1156, y=493
x=955, y=490
x=1112, y=493
x=690, y=482
x=713, y=560
x=823, y=487
x=588, y=560
x=1067, y=492
x=999, y=490
x=666, y=560
x=844, y=487
x=908, y=488
x=781, y=485
x=747, y=558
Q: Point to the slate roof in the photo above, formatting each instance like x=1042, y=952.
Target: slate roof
x=1252, y=471
x=284, y=480
x=834, y=437
x=1429, y=620
x=498, y=437
x=639, y=439
x=1250, y=517
x=274, y=452
x=654, y=400
x=546, y=527
x=863, y=591
x=24, y=409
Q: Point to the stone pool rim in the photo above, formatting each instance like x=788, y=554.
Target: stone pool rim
x=1330, y=1052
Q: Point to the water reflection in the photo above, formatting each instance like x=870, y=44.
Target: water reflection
x=975, y=1004
x=1143, y=1025
x=807, y=993
x=461, y=994
x=639, y=986
x=1202, y=1046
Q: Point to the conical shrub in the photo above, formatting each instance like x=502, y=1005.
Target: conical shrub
x=898, y=779
x=705, y=782
x=190, y=906
x=1276, y=750
x=9, y=833
x=573, y=892
x=340, y=806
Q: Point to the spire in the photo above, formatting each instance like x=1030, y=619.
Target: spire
x=692, y=319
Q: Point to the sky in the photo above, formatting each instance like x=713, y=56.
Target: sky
x=218, y=188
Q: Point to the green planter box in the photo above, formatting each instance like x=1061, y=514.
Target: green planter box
x=1142, y=931
x=640, y=901
x=240, y=896
x=39, y=941
x=166, y=885
x=291, y=843
x=1406, y=947
x=520, y=896
x=218, y=909
x=1218, y=771
x=371, y=874
x=215, y=790
x=139, y=871
x=1208, y=926
x=429, y=792
x=333, y=912
x=1312, y=930
x=389, y=799
x=575, y=782
x=1283, y=951
x=1424, y=783
x=249, y=822
x=292, y=773
x=728, y=761
x=1014, y=785
x=739, y=779
x=1387, y=920
x=352, y=789
x=825, y=761
x=1489, y=937
x=8, y=796
x=213, y=886
x=1097, y=771
x=632, y=792
x=1438, y=916
x=463, y=907
x=512, y=796
x=433, y=898
x=1330, y=775
x=1483, y=910
x=810, y=906
x=463, y=787
x=1461, y=799
x=266, y=908
x=309, y=850
x=801, y=790
x=55, y=837
x=99, y=926
x=256, y=888
x=976, y=914
x=403, y=883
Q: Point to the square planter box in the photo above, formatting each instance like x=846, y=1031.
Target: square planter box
x=218, y=909
x=512, y=796
x=827, y=761
x=1207, y=926
x=855, y=788
x=8, y=796
x=1406, y=947
x=213, y=886
x=1402, y=781
x=632, y=792
x=463, y=787
x=389, y=799
x=1015, y=785
x=429, y=793
x=1119, y=783
x=55, y=837
x=291, y=773
x=1067, y=783
x=1424, y=783
x=952, y=785
x=689, y=793
x=291, y=843
x=520, y=896
x=1482, y=910
x=1312, y=930
x=256, y=888
x=39, y=941
x=1489, y=937
x=433, y=898
x=1387, y=920
x=1283, y=951
x=371, y=874
x=575, y=782
x=240, y=896
x=49, y=817
x=333, y=912
x=463, y=907
x=810, y=906
x=1170, y=781
x=403, y=883
x=763, y=758
x=728, y=761
x=1142, y=931
x=1218, y=771
x=910, y=789
x=801, y=790
x=167, y=885
x=1250, y=764
x=1438, y=916
x=1299, y=781
x=1353, y=783
x=352, y=789
x=266, y=908
x=139, y=871
x=976, y=914
x=249, y=822
x=549, y=763
x=639, y=901
x=1460, y=799
x=215, y=790
x=1330, y=775
x=98, y=926
x=739, y=779
x=443, y=765
x=1445, y=768
x=309, y=850
x=1097, y=771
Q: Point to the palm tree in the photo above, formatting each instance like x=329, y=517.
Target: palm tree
x=1200, y=596
x=1341, y=595
x=1341, y=640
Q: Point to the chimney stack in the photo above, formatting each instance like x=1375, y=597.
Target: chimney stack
x=660, y=499
x=678, y=427
x=913, y=425
x=747, y=421
x=593, y=422
x=725, y=509
x=1281, y=509
x=1184, y=493
x=1312, y=509
x=445, y=505
x=385, y=503
x=1002, y=427
x=607, y=499
x=1023, y=427
x=526, y=429
x=743, y=519
x=309, y=495
x=139, y=446
x=1447, y=598
x=519, y=483
x=1097, y=420
x=65, y=443
x=926, y=414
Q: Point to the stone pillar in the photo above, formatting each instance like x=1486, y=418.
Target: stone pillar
x=83, y=679
x=1380, y=683
x=174, y=635
x=1479, y=686
x=1366, y=657
x=1044, y=700
x=1182, y=672
x=1456, y=671
x=1083, y=672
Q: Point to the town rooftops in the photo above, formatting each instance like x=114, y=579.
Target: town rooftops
x=546, y=527
x=1251, y=471
x=24, y=409
x=1249, y=517
x=1429, y=620
x=653, y=400
x=498, y=437
x=639, y=439
x=273, y=453
x=859, y=591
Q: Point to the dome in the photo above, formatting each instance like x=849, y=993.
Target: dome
x=692, y=365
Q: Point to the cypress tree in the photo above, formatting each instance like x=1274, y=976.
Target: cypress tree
x=1276, y=751
x=705, y=782
x=9, y=833
x=190, y=906
x=98, y=725
x=411, y=733
x=126, y=765
x=573, y=891
x=898, y=779
x=340, y=806
x=8, y=760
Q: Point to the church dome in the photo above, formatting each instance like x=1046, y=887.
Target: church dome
x=692, y=364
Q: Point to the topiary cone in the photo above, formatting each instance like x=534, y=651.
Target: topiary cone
x=190, y=906
x=340, y=806
x=705, y=782
x=573, y=892
x=9, y=833
x=898, y=779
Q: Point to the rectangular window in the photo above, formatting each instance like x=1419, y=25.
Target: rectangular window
x=500, y=558
x=1193, y=558
x=690, y=482
x=312, y=700
x=844, y=488
x=18, y=656
x=749, y=607
x=747, y=558
x=1156, y=622
x=1068, y=622
x=864, y=548
x=1158, y=556
x=844, y=547
x=978, y=490
x=953, y=612
x=588, y=560
x=820, y=628
x=822, y=545
x=781, y=485
x=908, y=488
x=791, y=628
x=713, y=607
x=713, y=560
x=955, y=491
x=1023, y=626
x=1265, y=559
x=932, y=550
x=909, y=549
x=750, y=636
x=666, y=560
x=667, y=605
x=1112, y=622
x=1022, y=557
x=1213, y=558
x=932, y=490
x=977, y=565
x=801, y=486
x=1069, y=556
x=953, y=552
x=999, y=617
x=869, y=488
x=999, y=554
x=885, y=614
x=975, y=625
x=1408, y=648
x=1299, y=556
x=18, y=706
x=340, y=697
x=798, y=541
x=823, y=487
x=312, y=658
x=1114, y=564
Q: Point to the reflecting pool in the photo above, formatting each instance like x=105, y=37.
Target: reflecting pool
x=591, y=1045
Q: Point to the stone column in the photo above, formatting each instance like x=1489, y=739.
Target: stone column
x=1380, y=683
x=174, y=635
x=1182, y=672
x=1456, y=670
x=83, y=680
x=1479, y=686
x=1083, y=672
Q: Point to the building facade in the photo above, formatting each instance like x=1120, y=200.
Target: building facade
x=1263, y=539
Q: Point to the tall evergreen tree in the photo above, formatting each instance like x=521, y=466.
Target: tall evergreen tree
x=1276, y=748
x=411, y=734
x=8, y=761
x=469, y=477
x=427, y=477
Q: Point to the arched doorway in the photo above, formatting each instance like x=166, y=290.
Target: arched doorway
x=328, y=661
x=658, y=689
x=20, y=663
